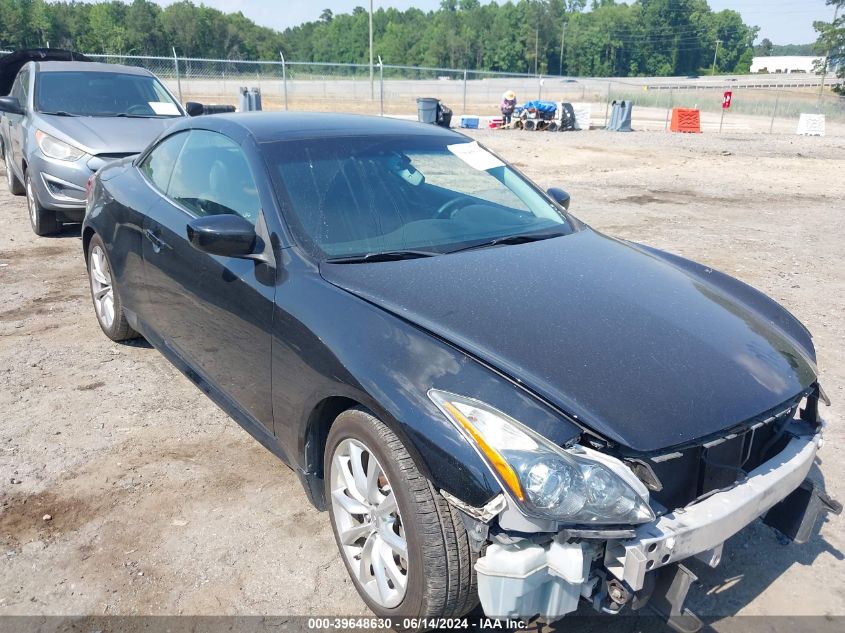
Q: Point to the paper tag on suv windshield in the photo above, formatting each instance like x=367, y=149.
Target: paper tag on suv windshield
x=475, y=156
x=160, y=107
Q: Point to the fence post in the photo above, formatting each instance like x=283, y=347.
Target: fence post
x=464, y=109
x=178, y=80
x=607, y=105
x=381, y=84
x=284, y=78
x=668, y=112
x=539, y=87
x=774, y=111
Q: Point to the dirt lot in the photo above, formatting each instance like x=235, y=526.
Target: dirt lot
x=162, y=505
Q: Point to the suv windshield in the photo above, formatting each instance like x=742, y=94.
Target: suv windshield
x=85, y=93
x=360, y=197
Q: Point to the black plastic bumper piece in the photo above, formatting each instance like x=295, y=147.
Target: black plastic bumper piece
x=796, y=516
x=670, y=592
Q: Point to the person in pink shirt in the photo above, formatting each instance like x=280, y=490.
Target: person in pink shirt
x=507, y=106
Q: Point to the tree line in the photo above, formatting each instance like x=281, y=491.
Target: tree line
x=567, y=37
x=140, y=27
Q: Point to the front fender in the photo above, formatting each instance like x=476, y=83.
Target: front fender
x=329, y=343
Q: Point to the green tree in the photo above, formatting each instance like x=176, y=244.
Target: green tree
x=831, y=42
x=765, y=48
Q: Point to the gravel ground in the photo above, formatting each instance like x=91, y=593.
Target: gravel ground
x=160, y=504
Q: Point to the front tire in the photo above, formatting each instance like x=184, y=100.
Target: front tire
x=12, y=182
x=404, y=547
x=43, y=220
x=107, y=304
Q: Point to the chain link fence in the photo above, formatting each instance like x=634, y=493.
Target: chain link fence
x=761, y=103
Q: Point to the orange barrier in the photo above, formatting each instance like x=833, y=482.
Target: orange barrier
x=686, y=120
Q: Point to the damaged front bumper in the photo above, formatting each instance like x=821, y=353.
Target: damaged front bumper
x=525, y=575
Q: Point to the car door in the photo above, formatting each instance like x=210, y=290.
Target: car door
x=214, y=312
x=20, y=91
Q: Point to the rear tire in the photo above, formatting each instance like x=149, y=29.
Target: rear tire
x=43, y=220
x=12, y=182
x=107, y=304
x=438, y=566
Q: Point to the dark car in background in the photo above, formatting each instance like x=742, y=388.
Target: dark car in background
x=492, y=399
x=64, y=118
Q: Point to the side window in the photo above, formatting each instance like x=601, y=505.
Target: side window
x=158, y=165
x=212, y=177
x=24, y=99
x=16, y=90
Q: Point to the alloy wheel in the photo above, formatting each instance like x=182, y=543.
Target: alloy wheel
x=101, y=286
x=31, y=201
x=368, y=523
x=9, y=176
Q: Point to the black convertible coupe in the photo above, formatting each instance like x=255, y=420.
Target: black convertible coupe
x=493, y=400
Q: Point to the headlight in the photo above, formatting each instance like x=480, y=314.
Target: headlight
x=576, y=485
x=54, y=148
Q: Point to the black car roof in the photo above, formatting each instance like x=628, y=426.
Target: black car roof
x=277, y=126
x=89, y=67
x=10, y=64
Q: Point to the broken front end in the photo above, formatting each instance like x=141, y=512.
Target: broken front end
x=592, y=522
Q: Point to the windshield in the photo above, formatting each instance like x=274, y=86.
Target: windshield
x=85, y=93
x=357, y=196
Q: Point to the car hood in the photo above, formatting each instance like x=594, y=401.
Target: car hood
x=105, y=135
x=647, y=349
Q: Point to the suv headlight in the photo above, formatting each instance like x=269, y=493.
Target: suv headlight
x=54, y=148
x=576, y=485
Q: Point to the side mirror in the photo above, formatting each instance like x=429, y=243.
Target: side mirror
x=11, y=105
x=560, y=196
x=194, y=109
x=227, y=235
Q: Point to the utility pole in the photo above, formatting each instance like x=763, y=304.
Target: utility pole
x=372, y=88
x=827, y=60
x=713, y=72
x=562, y=37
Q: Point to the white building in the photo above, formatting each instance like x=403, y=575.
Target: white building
x=785, y=64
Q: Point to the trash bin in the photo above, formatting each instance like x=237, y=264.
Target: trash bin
x=427, y=110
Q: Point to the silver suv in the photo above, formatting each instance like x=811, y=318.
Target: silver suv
x=63, y=120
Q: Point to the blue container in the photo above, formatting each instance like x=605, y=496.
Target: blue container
x=469, y=122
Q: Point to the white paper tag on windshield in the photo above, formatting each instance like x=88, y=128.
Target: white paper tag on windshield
x=167, y=109
x=475, y=156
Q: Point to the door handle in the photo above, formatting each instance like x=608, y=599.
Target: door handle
x=157, y=242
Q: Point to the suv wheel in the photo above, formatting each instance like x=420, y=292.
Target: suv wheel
x=43, y=220
x=107, y=304
x=12, y=181
x=405, y=548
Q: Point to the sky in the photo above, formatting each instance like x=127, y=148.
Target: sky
x=782, y=21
